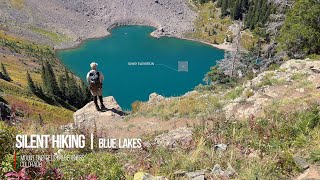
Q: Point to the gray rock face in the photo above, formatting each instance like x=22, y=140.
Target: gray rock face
x=88, y=117
x=84, y=19
x=217, y=170
x=198, y=175
x=258, y=93
x=181, y=137
x=228, y=173
x=301, y=162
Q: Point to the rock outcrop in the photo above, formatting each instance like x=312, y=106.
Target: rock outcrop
x=181, y=137
x=88, y=117
x=296, y=81
x=155, y=98
x=110, y=123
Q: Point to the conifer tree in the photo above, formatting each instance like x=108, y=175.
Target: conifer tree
x=263, y=11
x=62, y=85
x=224, y=8
x=52, y=82
x=86, y=92
x=5, y=72
x=67, y=83
x=257, y=13
x=244, y=6
x=248, y=18
x=73, y=90
x=39, y=89
x=44, y=79
x=31, y=84
x=236, y=10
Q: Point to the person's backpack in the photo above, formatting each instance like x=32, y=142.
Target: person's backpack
x=94, y=78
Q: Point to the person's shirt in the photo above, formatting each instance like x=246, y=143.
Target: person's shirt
x=101, y=77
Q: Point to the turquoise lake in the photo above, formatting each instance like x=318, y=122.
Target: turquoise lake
x=127, y=81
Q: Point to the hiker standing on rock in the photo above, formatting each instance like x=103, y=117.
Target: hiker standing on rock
x=95, y=79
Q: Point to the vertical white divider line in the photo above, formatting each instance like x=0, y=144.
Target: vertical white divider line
x=91, y=140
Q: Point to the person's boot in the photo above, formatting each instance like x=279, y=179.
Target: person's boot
x=101, y=102
x=95, y=100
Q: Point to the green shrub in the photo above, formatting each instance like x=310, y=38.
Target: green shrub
x=7, y=165
x=249, y=93
x=7, y=140
x=135, y=106
x=269, y=80
x=299, y=76
x=104, y=165
x=234, y=93
x=273, y=67
x=315, y=156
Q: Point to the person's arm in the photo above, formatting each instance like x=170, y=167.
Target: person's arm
x=101, y=77
x=88, y=80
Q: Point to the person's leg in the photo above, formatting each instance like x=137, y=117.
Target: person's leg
x=101, y=102
x=95, y=100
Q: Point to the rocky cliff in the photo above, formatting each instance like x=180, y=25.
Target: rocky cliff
x=292, y=85
x=65, y=23
x=88, y=117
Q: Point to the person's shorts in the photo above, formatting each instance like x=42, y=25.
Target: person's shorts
x=97, y=92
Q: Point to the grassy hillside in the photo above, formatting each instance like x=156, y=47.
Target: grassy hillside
x=266, y=122
x=19, y=56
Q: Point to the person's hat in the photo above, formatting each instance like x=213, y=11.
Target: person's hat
x=93, y=64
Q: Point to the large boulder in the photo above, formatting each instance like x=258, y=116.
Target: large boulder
x=181, y=137
x=198, y=175
x=296, y=78
x=88, y=117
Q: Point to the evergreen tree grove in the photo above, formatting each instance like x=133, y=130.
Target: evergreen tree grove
x=300, y=34
x=67, y=88
x=257, y=11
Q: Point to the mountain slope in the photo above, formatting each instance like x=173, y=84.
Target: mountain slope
x=19, y=56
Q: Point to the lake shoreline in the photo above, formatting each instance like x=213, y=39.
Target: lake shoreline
x=181, y=63
x=158, y=33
